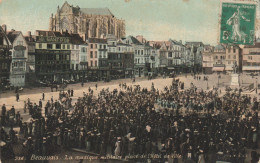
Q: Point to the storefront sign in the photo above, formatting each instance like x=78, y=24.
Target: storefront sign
x=53, y=39
x=43, y=51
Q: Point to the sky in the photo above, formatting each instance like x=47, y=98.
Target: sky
x=186, y=20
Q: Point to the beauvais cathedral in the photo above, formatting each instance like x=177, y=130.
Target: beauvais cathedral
x=88, y=22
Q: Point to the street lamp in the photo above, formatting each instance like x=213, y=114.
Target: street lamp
x=218, y=80
x=256, y=85
x=207, y=83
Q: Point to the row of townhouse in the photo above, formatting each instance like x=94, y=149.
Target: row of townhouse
x=51, y=56
x=174, y=56
x=58, y=56
x=222, y=58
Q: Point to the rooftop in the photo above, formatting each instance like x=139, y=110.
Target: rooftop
x=96, y=11
x=12, y=35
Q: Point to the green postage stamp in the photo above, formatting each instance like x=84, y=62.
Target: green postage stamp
x=237, y=23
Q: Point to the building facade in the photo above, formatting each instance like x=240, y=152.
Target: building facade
x=19, y=58
x=208, y=59
x=251, y=58
x=52, y=56
x=233, y=56
x=196, y=51
x=142, y=54
x=5, y=57
x=97, y=59
x=219, y=56
x=30, y=77
x=87, y=22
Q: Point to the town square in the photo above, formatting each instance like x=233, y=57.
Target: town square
x=88, y=82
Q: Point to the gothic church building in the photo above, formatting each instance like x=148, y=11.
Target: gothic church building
x=87, y=22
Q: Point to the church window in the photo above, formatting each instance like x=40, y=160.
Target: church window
x=68, y=46
x=49, y=46
x=58, y=46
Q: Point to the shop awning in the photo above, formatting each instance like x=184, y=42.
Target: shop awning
x=218, y=68
x=251, y=68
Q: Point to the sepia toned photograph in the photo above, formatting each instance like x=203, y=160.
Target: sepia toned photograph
x=134, y=81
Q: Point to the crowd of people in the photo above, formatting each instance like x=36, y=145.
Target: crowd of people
x=196, y=125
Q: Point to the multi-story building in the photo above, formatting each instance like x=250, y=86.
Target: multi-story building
x=189, y=59
x=207, y=59
x=120, y=58
x=251, y=58
x=30, y=77
x=163, y=54
x=78, y=52
x=154, y=60
x=97, y=59
x=83, y=60
x=5, y=57
x=53, y=55
x=219, y=56
x=176, y=53
x=233, y=55
x=19, y=58
x=196, y=52
x=141, y=55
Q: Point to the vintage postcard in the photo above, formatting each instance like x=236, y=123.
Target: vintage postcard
x=138, y=81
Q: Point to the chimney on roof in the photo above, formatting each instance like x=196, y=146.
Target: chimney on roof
x=29, y=34
x=4, y=27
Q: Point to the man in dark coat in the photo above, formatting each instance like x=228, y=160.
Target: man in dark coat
x=3, y=109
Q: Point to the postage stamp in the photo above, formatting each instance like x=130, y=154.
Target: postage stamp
x=237, y=23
